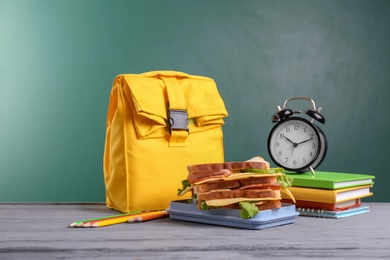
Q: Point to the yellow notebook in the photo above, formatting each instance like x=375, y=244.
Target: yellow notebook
x=329, y=196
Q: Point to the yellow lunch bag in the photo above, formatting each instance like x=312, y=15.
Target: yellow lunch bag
x=158, y=123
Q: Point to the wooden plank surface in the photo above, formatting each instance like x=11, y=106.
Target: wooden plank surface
x=40, y=231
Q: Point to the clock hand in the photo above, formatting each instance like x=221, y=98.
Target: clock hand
x=292, y=150
x=294, y=144
x=305, y=141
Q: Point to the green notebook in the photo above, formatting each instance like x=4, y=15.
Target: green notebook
x=330, y=180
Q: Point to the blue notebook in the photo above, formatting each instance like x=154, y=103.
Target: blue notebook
x=182, y=210
x=323, y=213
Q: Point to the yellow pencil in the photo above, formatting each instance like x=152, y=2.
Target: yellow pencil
x=81, y=223
x=146, y=217
x=118, y=220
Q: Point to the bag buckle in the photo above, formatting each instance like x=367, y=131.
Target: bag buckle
x=178, y=120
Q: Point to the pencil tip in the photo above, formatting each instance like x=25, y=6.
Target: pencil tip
x=132, y=220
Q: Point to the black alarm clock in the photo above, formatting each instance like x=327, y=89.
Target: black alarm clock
x=295, y=143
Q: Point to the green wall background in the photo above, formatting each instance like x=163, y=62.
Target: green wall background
x=58, y=60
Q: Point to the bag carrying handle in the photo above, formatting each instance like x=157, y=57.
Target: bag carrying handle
x=177, y=110
x=165, y=73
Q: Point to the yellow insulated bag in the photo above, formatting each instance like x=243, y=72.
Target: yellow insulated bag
x=158, y=123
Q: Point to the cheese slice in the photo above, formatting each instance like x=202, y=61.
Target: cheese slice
x=185, y=190
x=238, y=175
x=208, y=180
x=243, y=175
x=288, y=193
x=224, y=202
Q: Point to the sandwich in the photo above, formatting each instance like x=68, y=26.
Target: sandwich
x=250, y=186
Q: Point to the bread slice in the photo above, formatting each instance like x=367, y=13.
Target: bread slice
x=232, y=166
x=261, y=194
x=194, y=177
x=266, y=179
x=207, y=167
x=233, y=184
x=215, y=171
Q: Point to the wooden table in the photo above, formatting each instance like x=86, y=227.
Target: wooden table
x=40, y=231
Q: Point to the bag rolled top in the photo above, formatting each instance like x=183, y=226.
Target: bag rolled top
x=158, y=123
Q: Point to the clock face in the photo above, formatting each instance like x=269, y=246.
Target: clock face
x=294, y=144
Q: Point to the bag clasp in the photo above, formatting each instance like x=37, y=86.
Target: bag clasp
x=178, y=120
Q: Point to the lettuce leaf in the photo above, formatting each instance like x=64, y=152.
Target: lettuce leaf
x=185, y=184
x=248, y=210
x=204, y=206
x=285, y=181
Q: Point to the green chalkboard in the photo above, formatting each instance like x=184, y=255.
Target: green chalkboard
x=58, y=60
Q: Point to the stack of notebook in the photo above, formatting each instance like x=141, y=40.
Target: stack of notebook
x=330, y=194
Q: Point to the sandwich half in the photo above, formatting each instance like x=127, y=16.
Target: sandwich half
x=249, y=185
